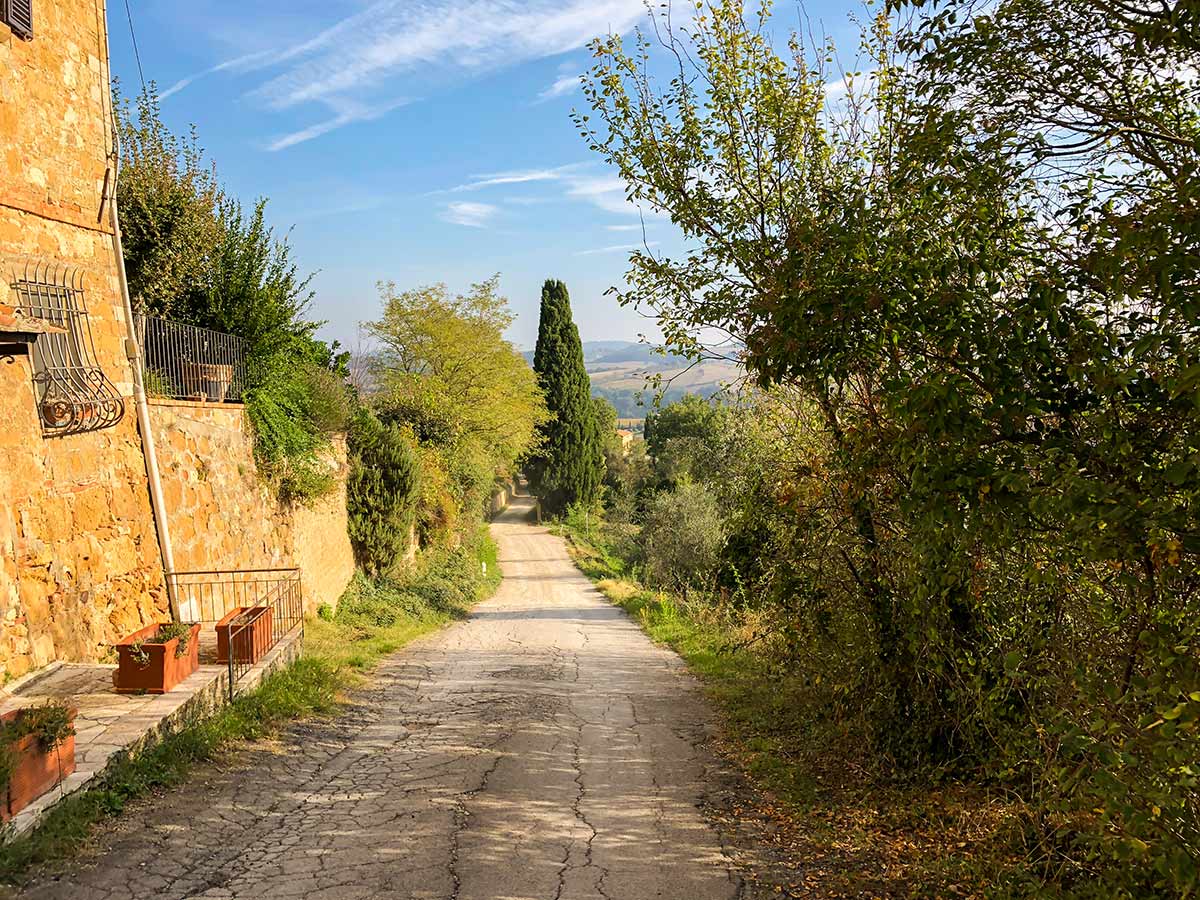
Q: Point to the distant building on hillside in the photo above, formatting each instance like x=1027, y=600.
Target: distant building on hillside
x=626, y=437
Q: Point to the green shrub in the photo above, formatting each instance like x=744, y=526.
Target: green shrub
x=682, y=537
x=381, y=492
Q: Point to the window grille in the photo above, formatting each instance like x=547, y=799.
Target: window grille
x=73, y=394
x=18, y=15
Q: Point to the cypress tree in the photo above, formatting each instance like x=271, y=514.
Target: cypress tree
x=570, y=463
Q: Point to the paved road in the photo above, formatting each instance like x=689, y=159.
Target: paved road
x=542, y=749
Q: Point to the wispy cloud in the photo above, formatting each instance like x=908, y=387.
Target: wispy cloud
x=601, y=190
x=517, y=176
x=617, y=248
x=353, y=112
x=391, y=43
x=394, y=37
x=473, y=215
x=567, y=84
x=248, y=61
x=634, y=227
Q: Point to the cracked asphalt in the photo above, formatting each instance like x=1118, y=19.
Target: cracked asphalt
x=543, y=749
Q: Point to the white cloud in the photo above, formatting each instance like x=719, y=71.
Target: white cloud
x=567, y=84
x=517, y=176
x=241, y=62
x=634, y=227
x=617, y=248
x=355, y=59
x=351, y=113
x=604, y=191
x=394, y=37
x=473, y=215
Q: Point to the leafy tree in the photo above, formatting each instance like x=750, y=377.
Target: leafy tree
x=444, y=365
x=979, y=273
x=685, y=437
x=569, y=466
x=381, y=492
x=168, y=197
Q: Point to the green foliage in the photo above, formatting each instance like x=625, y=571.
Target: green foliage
x=682, y=537
x=50, y=722
x=569, y=465
x=381, y=492
x=445, y=372
x=166, y=194
x=683, y=437
x=445, y=367
x=195, y=255
x=166, y=633
x=970, y=483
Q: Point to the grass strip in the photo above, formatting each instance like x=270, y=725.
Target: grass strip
x=858, y=834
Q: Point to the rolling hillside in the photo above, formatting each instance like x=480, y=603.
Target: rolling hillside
x=619, y=370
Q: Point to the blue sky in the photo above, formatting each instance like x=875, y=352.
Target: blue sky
x=415, y=141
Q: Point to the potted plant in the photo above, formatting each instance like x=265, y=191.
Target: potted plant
x=156, y=658
x=37, y=751
x=248, y=628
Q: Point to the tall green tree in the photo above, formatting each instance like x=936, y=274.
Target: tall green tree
x=978, y=269
x=570, y=465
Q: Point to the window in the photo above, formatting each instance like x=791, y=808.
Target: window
x=18, y=15
x=73, y=394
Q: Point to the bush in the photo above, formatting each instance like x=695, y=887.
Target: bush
x=683, y=537
x=381, y=492
x=329, y=400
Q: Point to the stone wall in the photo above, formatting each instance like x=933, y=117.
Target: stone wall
x=222, y=514
x=80, y=565
x=79, y=560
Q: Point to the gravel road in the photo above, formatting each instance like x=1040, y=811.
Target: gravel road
x=544, y=748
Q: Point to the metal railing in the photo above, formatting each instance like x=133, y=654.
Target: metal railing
x=186, y=362
x=252, y=610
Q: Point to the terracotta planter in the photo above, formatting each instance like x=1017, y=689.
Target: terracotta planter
x=162, y=670
x=250, y=641
x=35, y=768
x=209, y=381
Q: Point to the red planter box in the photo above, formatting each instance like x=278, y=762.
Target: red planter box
x=35, y=769
x=162, y=671
x=250, y=642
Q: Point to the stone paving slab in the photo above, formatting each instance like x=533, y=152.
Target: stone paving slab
x=109, y=723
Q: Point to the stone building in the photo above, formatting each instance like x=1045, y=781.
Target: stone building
x=80, y=558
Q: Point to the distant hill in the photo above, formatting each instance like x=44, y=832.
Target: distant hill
x=593, y=350
x=619, y=371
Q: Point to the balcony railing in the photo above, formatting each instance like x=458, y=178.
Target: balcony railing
x=252, y=609
x=185, y=362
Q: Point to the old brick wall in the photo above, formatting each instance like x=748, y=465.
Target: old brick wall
x=80, y=563
x=224, y=516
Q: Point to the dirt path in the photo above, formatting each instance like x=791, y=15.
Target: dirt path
x=542, y=749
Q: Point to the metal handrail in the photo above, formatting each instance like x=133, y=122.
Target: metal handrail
x=187, y=362
x=213, y=595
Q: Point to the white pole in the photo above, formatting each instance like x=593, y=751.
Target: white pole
x=133, y=352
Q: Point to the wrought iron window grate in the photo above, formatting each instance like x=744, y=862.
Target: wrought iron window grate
x=73, y=393
x=190, y=363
